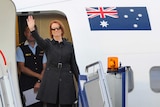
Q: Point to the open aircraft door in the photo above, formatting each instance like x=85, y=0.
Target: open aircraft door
x=9, y=88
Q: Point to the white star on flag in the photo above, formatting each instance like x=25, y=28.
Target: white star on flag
x=104, y=23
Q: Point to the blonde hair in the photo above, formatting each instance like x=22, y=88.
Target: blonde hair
x=60, y=24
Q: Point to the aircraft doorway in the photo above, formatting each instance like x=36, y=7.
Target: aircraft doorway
x=43, y=20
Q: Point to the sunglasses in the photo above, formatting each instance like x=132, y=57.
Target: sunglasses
x=54, y=29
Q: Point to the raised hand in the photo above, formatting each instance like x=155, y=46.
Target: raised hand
x=31, y=23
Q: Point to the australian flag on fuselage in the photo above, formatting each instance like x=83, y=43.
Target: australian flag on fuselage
x=118, y=18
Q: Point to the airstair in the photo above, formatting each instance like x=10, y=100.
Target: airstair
x=100, y=89
x=7, y=89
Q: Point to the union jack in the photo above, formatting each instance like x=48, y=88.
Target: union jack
x=102, y=12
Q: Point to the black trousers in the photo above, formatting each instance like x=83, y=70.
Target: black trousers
x=39, y=104
x=57, y=105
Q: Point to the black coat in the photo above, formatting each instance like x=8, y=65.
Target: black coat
x=58, y=79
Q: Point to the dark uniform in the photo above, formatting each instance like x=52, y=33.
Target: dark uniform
x=58, y=84
x=33, y=62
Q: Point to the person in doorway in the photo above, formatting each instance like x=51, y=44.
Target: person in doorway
x=57, y=86
x=31, y=61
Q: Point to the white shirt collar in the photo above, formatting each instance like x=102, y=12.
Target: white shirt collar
x=27, y=43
